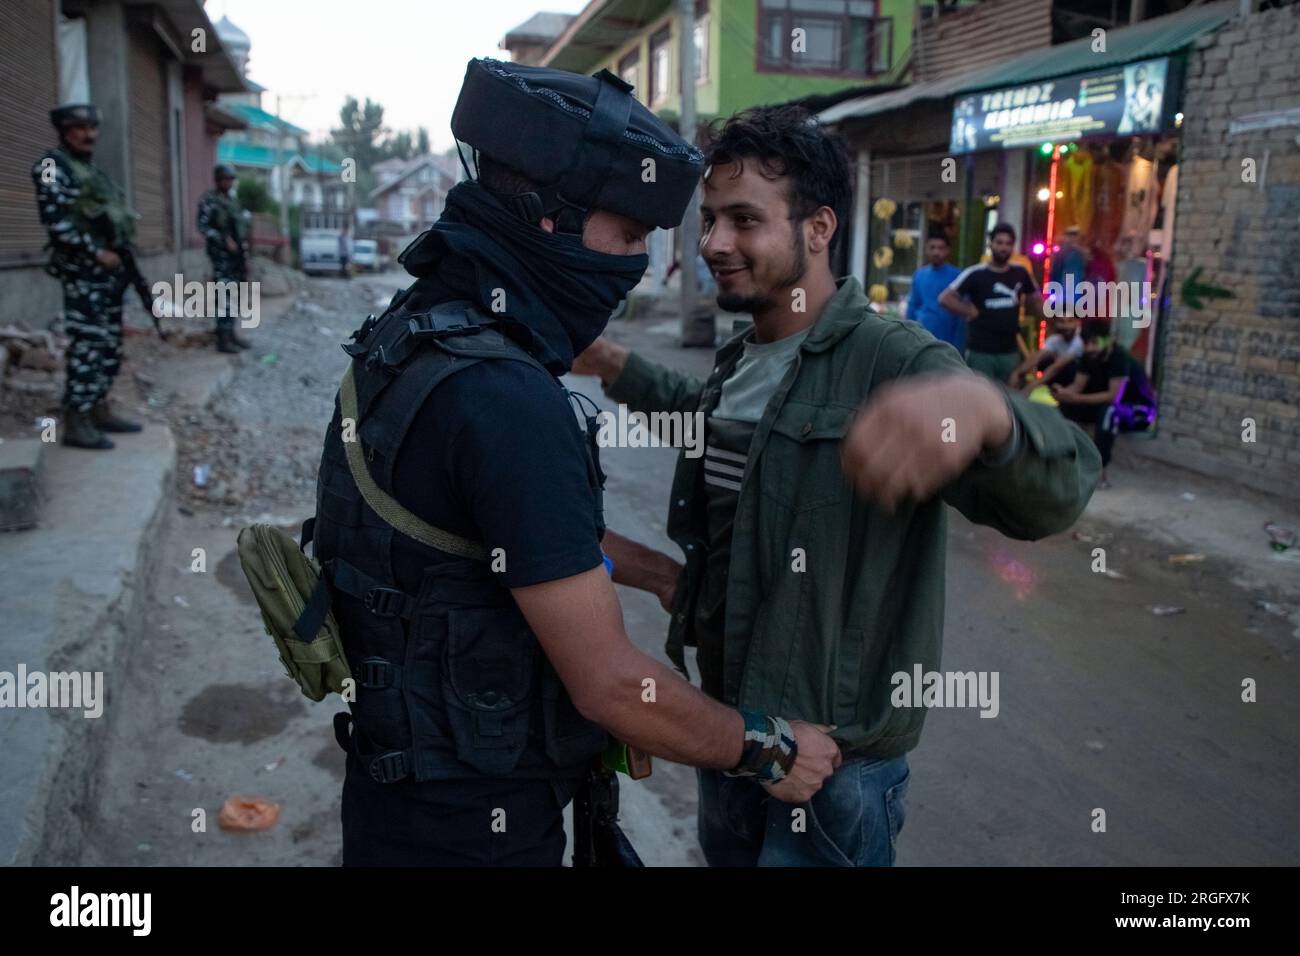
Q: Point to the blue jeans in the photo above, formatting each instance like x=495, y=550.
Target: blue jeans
x=853, y=820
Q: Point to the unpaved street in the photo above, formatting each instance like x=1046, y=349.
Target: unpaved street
x=1103, y=704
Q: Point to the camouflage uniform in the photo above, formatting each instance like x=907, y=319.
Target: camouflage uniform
x=220, y=218
x=68, y=196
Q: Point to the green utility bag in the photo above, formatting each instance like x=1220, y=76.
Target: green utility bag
x=293, y=597
x=292, y=591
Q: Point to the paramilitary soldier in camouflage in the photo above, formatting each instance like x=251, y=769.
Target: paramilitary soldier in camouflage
x=459, y=520
x=90, y=227
x=221, y=220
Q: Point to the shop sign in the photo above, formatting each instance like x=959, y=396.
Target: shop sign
x=1127, y=100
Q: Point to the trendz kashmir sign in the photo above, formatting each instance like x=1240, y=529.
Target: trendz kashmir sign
x=1121, y=101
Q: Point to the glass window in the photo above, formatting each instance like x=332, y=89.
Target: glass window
x=628, y=68
x=823, y=45
x=840, y=36
x=660, y=65
x=702, y=49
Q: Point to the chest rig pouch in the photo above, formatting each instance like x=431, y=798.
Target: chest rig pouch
x=450, y=681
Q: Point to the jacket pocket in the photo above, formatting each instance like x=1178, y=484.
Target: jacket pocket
x=487, y=683
x=801, y=462
x=848, y=678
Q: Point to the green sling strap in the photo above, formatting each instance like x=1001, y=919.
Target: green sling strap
x=384, y=504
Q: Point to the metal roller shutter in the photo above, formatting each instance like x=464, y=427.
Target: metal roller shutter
x=29, y=81
x=150, y=153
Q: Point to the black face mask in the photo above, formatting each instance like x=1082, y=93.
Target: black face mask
x=559, y=290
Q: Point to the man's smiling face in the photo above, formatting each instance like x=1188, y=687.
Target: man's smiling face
x=753, y=248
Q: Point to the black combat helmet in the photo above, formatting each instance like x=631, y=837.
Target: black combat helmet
x=223, y=171
x=585, y=140
x=74, y=114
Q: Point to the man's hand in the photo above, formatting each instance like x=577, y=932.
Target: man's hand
x=816, y=759
x=603, y=358
x=108, y=258
x=231, y=245
x=916, y=435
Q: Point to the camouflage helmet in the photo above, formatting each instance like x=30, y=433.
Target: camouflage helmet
x=224, y=171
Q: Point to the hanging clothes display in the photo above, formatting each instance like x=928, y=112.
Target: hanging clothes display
x=1140, y=200
x=1107, y=201
x=1074, y=181
x=1168, y=200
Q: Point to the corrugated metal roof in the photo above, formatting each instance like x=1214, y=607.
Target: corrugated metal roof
x=261, y=118
x=1150, y=38
x=266, y=157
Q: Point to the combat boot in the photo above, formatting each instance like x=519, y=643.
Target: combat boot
x=226, y=342
x=106, y=421
x=79, y=431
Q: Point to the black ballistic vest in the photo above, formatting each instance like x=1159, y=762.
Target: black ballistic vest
x=450, y=681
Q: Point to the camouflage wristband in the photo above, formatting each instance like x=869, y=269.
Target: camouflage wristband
x=769, y=749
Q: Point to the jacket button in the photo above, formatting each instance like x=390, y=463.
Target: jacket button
x=806, y=429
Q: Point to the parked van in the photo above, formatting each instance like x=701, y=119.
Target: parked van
x=365, y=255
x=322, y=251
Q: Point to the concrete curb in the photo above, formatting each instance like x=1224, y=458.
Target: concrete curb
x=76, y=593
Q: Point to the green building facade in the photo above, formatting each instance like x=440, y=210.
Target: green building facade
x=749, y=52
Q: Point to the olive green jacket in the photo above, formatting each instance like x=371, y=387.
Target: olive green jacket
x=828, y=596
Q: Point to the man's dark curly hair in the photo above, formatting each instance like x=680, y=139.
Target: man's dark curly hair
x=788, y=141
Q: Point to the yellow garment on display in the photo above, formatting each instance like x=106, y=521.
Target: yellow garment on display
x=1074, y=180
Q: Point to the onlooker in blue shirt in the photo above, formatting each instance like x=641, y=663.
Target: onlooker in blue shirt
x=923, y=304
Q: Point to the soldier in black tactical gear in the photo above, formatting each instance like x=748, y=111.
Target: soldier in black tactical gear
x=221, y=220
x=459, y=518
x=90, y=226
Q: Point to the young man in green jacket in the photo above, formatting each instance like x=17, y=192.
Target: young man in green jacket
x=813, y=527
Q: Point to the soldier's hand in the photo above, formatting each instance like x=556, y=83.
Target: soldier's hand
x=231, y=245
x=817, y=758
x=108, y=258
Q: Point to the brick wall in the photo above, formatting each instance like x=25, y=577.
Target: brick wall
x=1237, y=358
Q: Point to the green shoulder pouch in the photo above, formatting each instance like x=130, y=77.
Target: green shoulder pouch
x=293, y=596
x=293, y=593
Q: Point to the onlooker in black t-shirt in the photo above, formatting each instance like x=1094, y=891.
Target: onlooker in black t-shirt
x=1090, y=398
x=989, y=296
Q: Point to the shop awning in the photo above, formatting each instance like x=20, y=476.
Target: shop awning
x=1141, y=41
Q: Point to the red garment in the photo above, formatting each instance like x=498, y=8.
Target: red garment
x=1101, y=268
x=1108, y=203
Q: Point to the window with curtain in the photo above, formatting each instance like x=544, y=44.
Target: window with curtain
x=660, y=66
x=629, y=68
x=841, y=37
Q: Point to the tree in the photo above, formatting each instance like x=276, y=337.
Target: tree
x=362, y=127
x=399, y=146
x=422, y=141
x=254, y=197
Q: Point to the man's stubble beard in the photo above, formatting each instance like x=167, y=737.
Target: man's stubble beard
x=734, y=302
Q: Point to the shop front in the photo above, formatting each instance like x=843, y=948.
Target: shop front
x=1099, y=154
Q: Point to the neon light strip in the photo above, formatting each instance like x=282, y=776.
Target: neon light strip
x=1051, y=229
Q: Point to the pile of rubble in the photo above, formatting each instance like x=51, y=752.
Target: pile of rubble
x=31, y=362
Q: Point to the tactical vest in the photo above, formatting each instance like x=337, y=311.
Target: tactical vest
x=229, y=218
x=450, y=681
x=101, y=207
